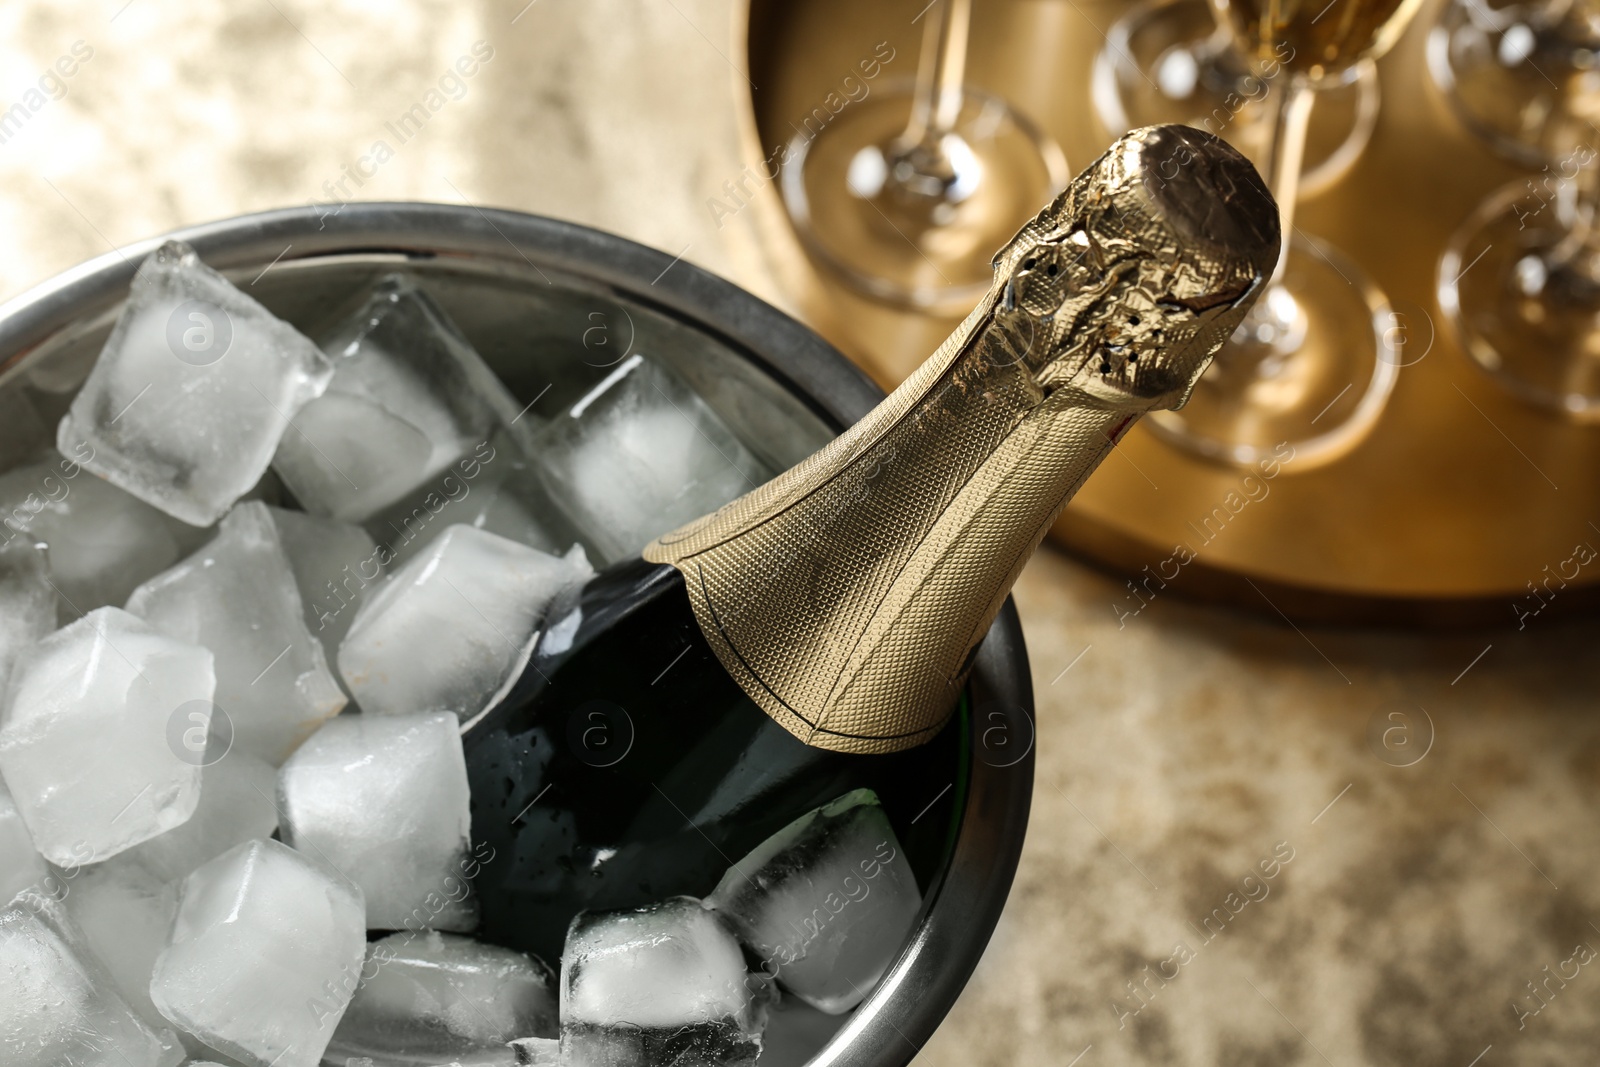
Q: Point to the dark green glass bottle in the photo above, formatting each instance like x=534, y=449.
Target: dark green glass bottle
x=629, y=767
x=814, y=636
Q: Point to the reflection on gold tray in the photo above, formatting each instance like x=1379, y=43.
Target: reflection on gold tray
x=1459, y=502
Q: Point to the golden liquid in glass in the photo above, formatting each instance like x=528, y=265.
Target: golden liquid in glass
x=1317, y=38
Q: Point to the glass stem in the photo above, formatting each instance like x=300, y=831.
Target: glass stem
x=1217, y=45
x=941, y=73
x=1286, y=149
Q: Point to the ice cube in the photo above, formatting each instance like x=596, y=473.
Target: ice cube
x=657, y=985
x=434, y=997
x=384, y=799
x=409, y=398
x=237, y=596
x=503, y=1056
x=84, y=744
x=102, y=541
x=515, y=507
x=58, y=1007
x=124, y=910
x=193, y=390
x=453, y=628
x=826, y=903
x=263, y=956
x=537, y=1051
x=639, y=455
x=27, y=602
x=238, y=803
x=336, y=564
x=21, y=866
x=495, y=490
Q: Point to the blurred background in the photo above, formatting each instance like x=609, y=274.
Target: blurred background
x=1334, y=616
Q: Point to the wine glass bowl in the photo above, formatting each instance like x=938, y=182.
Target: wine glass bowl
x=1319, y=39
x=1513, y=72
x=1519, y=281
x=1171, y=61
x=1521, y=289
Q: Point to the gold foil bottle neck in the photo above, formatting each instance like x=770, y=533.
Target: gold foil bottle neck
x=848, y=595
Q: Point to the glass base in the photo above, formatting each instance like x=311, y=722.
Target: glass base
x=1525, y=303
x=1167, y=61
x=1513, y=75
x=928, y=245
x=1311, y=367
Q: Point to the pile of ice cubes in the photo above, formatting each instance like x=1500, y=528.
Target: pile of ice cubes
x=811, y=918
x=248, y=602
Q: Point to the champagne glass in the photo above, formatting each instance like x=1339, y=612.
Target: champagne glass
x=1314, y=362
x=1519, y=281
x=906, y=193
x=1509, y=72
x=1172, y=61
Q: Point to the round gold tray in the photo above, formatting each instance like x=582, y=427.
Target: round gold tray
x=1462, y=507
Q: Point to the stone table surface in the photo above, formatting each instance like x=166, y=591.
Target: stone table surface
x=1443, y=912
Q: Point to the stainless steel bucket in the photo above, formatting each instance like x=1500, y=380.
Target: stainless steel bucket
x=550, y=304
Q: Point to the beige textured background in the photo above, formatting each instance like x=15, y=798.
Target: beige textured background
x=1175, y=751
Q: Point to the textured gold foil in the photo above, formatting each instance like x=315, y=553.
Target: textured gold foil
x=848, y=595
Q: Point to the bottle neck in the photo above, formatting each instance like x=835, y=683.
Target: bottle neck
x=848, y=595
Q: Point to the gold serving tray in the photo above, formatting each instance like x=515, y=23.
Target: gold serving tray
x=1458, y=503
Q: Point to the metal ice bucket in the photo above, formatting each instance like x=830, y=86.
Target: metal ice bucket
x=549, y=305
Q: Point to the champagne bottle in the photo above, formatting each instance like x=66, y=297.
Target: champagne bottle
x=814, y=635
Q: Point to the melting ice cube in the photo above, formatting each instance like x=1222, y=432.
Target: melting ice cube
x=385, y=800
x=58, y=1006
x=453, y=627
x=503, y=1056
x=192, y=392
x=263, y=956
x=124, y=910
x=495, y=489
x=125, y=905
x=237, y=596
x=826, y=903
x=336, y=564
x=409, y=398
x=659, y=985
x=27, y=602
x=537, y=1052
x=641, y=454
x=238, y=803
x=21, y=866
x=84, y=744
x=433, y=997
x=102, y=541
